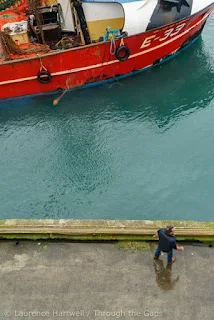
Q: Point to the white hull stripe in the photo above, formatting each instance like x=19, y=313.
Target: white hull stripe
x=110, y=62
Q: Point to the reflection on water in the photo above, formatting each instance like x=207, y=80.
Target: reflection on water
x=164, y=276
x=138, y=150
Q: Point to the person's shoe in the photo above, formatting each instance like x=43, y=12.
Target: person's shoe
x=173, y=260
x=156, y=258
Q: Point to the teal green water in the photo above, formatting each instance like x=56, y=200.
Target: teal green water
x=142, y=148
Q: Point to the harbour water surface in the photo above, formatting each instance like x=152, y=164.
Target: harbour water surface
x=140, y=148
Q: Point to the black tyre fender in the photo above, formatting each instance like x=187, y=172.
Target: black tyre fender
x=122, y=53
x=44, y=76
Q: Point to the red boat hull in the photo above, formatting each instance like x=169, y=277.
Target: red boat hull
x=94, y=63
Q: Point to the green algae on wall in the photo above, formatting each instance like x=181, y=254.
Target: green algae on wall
x=25, y=236
x=121, y=238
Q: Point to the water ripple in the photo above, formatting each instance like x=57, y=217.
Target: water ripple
x=140, y=150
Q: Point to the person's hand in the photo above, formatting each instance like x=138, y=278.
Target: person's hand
x=182, y=248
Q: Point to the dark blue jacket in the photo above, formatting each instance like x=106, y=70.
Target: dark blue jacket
x=166, y=242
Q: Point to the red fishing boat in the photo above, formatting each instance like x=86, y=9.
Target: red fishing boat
x=72, y=48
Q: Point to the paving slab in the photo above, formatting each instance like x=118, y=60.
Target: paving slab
x=59, y=280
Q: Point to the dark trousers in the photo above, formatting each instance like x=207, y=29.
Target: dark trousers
x=169, y=254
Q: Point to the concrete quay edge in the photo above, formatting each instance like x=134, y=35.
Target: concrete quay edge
x=102, y=230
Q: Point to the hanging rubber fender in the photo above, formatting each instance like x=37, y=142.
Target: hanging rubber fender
x=44, y=76
x=122, y=53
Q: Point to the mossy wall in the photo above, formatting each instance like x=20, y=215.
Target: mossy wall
x=103, y=230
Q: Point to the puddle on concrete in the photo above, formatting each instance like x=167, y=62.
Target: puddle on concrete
x=163, y=276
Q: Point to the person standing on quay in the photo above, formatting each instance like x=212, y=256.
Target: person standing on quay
x=167, y=242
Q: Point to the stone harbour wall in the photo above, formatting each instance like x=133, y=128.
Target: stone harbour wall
x=103, y=230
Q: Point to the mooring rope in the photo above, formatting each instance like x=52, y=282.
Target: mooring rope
x=112, y=47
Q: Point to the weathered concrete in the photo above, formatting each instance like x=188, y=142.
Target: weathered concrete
x=70, y=277
x=102, y=229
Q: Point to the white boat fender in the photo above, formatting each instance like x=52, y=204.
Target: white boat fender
x=44, y=76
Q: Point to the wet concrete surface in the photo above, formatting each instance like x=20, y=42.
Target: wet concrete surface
x=48, y=280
